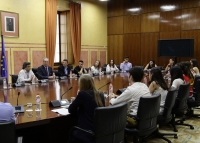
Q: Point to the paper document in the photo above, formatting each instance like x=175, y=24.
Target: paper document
x=61, y=111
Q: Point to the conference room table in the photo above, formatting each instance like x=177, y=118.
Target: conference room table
x=45, y=125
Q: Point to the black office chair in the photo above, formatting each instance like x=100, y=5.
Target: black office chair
x=56, y=72
x=1, y=80
x=109, y=124
x=167, y=115
x=147, y=113
x=7, y=132
x=197, y=77
x=194, y=103
x=181, y=106
x=35, y=70
x=14, y=78
x=160, y=67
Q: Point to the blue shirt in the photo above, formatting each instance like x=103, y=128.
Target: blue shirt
x=125, y=66
x=7, y=112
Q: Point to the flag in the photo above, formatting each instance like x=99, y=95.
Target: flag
x=4, y=69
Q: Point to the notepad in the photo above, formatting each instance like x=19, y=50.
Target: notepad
x=61, y=111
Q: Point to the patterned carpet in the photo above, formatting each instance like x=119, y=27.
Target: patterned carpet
x=185, y=134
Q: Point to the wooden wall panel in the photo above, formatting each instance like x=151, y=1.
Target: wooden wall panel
x=150, y=22
x=132, y=48
x=103, y=57
x=115, y=25
x=150, y=5
x=170, y=20
x=191, y=19
x=93, y=57
x=115, y=8
x=132, y=24
x=149, y=44
x=190, y=3
x=37, y=55
x=170, y=5
x=85, y=57
x=196, y=35
x=115, y=48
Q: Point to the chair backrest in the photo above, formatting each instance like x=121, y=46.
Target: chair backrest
x=14, y=78
x=169, y=104
x=110, y=123
x=1, y=80
x=182, y=96
x=7, y=132
x=35, y=70
x=148, y=110
x=195, y=80
x=197, y=90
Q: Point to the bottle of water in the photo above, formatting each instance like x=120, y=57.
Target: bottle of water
x=90, y=73
x=54, y=76
x=38, y=102
x=110, y=88
x=70, y=75
x=33, y=80
x=4, y=83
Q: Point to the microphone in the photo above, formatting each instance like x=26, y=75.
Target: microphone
x=104, y=85
x=18, y=108
x=62, y=102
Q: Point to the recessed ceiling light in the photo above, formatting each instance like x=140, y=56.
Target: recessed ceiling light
x=103, y=0
x=168, y=7
x=134, y=9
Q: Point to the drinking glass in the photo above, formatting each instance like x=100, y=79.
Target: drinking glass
x=29, y=110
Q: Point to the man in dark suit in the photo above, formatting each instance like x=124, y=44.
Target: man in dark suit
x=64, y=69
x=45, y=71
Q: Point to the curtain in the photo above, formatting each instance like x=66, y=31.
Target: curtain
x=75, y=23
x=51, y=21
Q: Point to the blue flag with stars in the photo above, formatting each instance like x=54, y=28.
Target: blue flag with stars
x=4, y=69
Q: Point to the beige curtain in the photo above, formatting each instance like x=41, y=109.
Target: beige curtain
x=51, y=21
x=75, y=23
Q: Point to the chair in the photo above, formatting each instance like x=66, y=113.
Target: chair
x=167, y=114
x=160, y=67
x=7, y=132
x=192, y=104
x=35, y=70
x=1, y=80
x=147, y=113
x=56, y=72
x=195, y=80
x=181, y=105
x=109, y=124
x=14, y=78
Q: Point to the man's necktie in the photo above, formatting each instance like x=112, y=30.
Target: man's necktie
x=47, y=71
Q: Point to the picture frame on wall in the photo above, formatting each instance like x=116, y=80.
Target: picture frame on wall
x=10, y=24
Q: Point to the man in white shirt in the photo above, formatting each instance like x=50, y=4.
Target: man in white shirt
x=125, y=66
x=133, y=93
x=26, y=74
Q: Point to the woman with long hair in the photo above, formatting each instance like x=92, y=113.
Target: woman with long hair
x=176, y=77
x=150, y=65
x=194, y=67
x=171, y=63
x=96, y=68
x=111, y=66
x=84, y=105
x=158, y=85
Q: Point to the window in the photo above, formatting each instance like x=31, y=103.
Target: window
x=61, y=38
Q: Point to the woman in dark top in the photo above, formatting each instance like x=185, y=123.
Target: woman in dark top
x=84, y=105
x=150, y=65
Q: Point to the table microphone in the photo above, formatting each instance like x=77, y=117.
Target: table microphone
x=104, y=85
x=120, y=91
x=18, y=108
x=62, y=102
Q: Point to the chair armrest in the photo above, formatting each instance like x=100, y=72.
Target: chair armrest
x=87, y=131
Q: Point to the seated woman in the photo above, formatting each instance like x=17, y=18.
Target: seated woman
x=83, y=106
x=150, y=65
x=194, y=67
x=111, y=67
x=96, y=68
x=176, y=77
x=172, y=63
x=158, y=86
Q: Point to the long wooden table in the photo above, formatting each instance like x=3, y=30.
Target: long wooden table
x=47, y=122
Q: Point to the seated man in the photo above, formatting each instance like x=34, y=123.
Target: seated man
x=80, y=68
x=7, y=112
x=26, y=74
x=125, y=66
x=64, y=69
x=45, y=71
x=133, y=93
